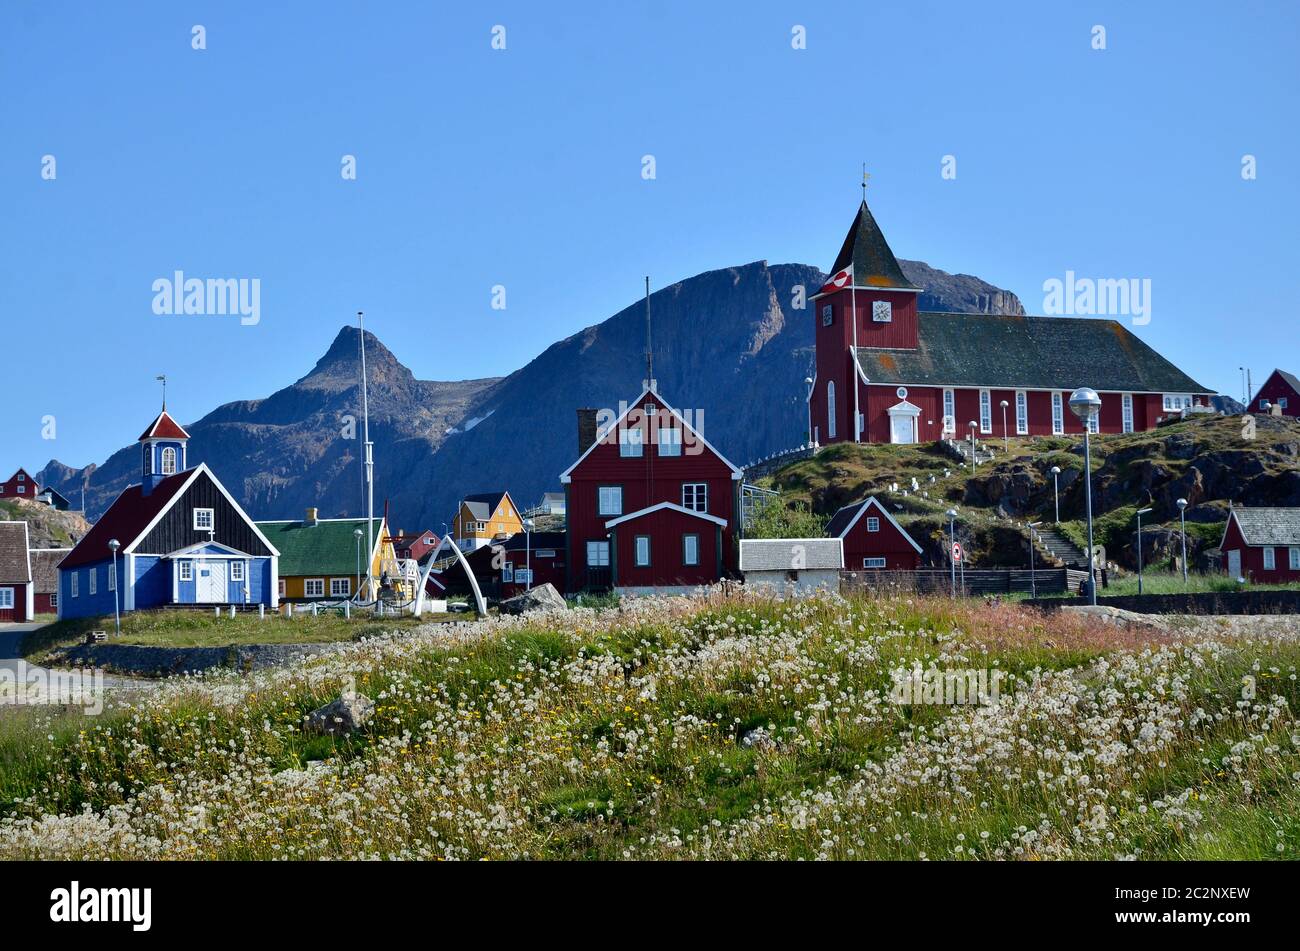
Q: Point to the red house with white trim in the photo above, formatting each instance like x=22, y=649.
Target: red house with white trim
x=1262, y=544
x=19, y=485
x=1281, y=389
x=650, y=504
x=911, y=376
x=872, y=539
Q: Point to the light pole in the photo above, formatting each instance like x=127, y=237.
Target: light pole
x=1140, y=513
x=808, y=382
x=528, y=552
x=1086, y=404
x=973, y=424
x=1056, y=492
x=357, y=534
x=1006, y=442
x=114, y=545
x=1033, y=583
x=1182, y=530
x=952, y=547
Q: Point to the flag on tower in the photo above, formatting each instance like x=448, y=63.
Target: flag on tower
x=839, y=280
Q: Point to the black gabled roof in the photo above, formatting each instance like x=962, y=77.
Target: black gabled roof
x=1033, y=352
x=1290, y=379
x=874, y=264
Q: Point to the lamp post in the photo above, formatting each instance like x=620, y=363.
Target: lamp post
x=1006, y=442
x=1182, y=530
x=528, y=552
x=1086, y=404
x=357, y=534
x=114, y=545
x=973, y=424
x=1056, y=492
x=952, y=547
x=1033, y=583
x=808, y=382
x=1140, y=513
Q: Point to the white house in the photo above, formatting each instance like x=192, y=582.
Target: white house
x=792, y=564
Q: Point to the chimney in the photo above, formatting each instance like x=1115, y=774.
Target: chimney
x=311, y=517
x=586, y=429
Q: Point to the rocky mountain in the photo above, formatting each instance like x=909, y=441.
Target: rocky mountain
x=733, y=346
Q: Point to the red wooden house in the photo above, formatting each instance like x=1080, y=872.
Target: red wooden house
x=909, y=376
x=872, y=539
x=45, y=578
x=16, y=592
x=414, y=547
x=1282, y=390
x=501, y=568
x=20, y=485
x=650, y=503
x=1262, y=544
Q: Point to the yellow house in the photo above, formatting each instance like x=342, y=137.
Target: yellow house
x=325, y=559
x=480, y=519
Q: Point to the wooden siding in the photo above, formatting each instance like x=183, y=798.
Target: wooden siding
x=176, y=529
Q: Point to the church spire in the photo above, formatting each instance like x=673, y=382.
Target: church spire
x=865, y=247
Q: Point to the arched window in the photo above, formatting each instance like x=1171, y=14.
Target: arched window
x=148, y=459
x=830, y=409
x=169, y=461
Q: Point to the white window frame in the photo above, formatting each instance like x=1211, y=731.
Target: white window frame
x=670, y=441
x=186, y=571
x=169, y=460
x=6, y=599
x=986, y=411
x=640, y=560
x=1058, y=414
x=882, y=312
x=1094, y=422
x=337, y=583
x=874, y=561
x=1126, y=400
x=508, y=572
x=212, y=520
x=148, y=459
x=76, y=584
x=831, y=427
x=631, y=442
x=1293, y=557
x=873, y=523
x=281, y=588
x=1270, y=559
x=313, y=587
x=1022, y=413
x=1281, y=402
x=1174, y=402
x=950, y=406
x=92, y=586
x=54, y=599
x=611, y=503
x=690, y=549
x=601, y=551
x=695, y=496
x=237, y=572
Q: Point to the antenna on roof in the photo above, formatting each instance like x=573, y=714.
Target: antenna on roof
x=162, y=378
x=649, y=349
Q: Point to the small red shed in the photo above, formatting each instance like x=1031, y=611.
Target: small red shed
x=872, y=539
x=16, y=595
x=1262, y=544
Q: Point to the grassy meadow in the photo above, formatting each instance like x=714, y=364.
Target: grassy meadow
x=737, y=727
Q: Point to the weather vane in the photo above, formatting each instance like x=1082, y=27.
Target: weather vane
x=865, y=177
x=162, y=378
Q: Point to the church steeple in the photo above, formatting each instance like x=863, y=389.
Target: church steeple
x=163, y=447
x=874, y=264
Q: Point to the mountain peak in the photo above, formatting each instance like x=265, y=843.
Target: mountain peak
x=341, y=363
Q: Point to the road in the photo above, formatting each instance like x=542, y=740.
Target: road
x=11, y=658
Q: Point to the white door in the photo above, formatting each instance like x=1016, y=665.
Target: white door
x=211, y=583
x=902, y=428
x=1234, y=563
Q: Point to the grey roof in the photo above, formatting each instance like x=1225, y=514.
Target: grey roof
x=45, y=562
x=841, y=519
x=15, y=567
x=482, y=506
x=787, y=554
x=874, y=264
x=1290, y=379
x=1269, y=526
x=1037, y=352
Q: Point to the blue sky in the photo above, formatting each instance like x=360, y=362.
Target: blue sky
x=478, y=167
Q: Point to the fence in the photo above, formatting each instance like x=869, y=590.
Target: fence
x=769, y=464
x=980, y=581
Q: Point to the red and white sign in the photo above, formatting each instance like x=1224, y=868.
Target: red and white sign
x=956, y=551
x=839, y=280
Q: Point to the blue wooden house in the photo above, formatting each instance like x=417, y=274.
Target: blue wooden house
x=183, y=540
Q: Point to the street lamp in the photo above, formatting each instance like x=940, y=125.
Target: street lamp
x=1140, y=513
x=114, y=545
x=973, y=424
x=1033, y=584
x=1086, y=404
x=952, y=550
x=358, y=533
x=1182, y=530
x=1006, y=443
x=1056, y=492
x=808, y=382
x=528, y=552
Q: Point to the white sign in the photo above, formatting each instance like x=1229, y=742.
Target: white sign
x=956, y=551
x=523, y=576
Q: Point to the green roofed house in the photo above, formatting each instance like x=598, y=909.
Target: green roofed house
x=324, y=558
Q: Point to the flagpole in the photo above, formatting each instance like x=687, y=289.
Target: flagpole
x=853, y=296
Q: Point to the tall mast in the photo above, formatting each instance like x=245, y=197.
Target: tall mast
x=369, y=451
x=649, y=351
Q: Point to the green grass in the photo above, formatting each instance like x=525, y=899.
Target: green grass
x=1166, y=582
x=204, y=629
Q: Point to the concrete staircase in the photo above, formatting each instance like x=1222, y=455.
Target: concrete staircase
x=983, y=453
x=1052, y=542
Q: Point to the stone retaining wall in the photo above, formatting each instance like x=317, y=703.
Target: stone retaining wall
x=150, y=661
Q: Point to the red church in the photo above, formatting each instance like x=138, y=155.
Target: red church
x=1282, y=390
x=889, y=372
x=650, y=504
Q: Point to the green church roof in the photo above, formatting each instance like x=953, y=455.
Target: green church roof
x=326, y=548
